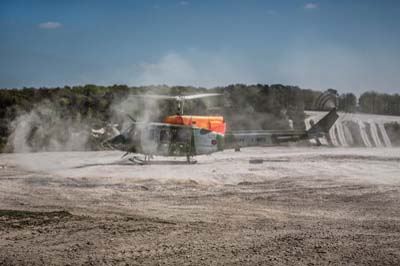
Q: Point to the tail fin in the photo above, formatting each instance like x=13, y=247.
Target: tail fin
x=323, y=125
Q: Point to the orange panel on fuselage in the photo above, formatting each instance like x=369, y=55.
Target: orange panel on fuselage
x=213, y=123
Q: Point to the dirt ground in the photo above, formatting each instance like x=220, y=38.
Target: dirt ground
x=260, y=206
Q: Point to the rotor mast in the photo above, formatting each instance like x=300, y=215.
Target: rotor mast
x=180, y=107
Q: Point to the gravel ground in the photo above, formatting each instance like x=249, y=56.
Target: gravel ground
x=260, y=206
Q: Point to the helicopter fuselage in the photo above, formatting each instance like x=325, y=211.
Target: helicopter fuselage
x=167, y=140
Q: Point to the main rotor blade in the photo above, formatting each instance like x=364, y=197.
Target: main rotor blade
x=196, y=96
x=131, y=118
x=155, y=96
x=177, y=97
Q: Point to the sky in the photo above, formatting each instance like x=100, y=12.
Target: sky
x=351, y=46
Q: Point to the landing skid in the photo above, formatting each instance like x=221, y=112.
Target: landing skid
x=190, y=160
x=137, y=160
x=146, y=161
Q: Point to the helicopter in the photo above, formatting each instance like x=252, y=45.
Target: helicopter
x=183, y=135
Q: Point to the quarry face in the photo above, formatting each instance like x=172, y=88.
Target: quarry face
x=266, y=206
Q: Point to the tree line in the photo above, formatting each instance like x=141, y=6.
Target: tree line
x=256, y=106
x=380, y=103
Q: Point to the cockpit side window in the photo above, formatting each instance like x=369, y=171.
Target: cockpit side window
x=152, y=133
x=181, y=135
x=165, y=135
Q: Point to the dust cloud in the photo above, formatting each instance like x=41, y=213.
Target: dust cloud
x=49, y=128
x=46, y=128
x=136, y=107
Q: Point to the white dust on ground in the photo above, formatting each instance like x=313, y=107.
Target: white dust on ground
x=370, y=165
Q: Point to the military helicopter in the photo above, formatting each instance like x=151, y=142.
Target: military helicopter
x=189, y=135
